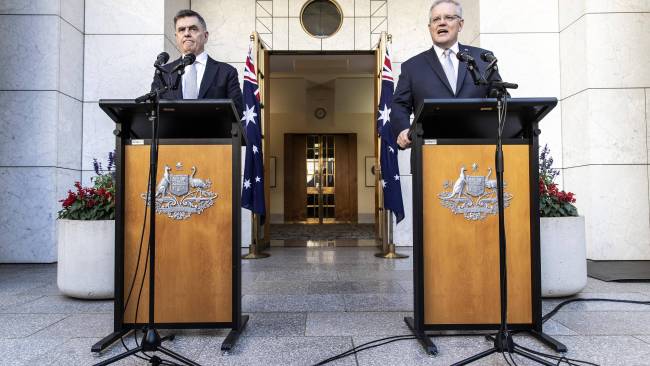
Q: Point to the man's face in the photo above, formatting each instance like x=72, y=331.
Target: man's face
x=444, y=25
x=190, y=35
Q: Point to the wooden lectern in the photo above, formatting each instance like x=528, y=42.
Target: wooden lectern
x=198, y=217
x=455, y=217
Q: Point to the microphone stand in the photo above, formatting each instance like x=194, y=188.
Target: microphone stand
x=151, y=341
x=503, y=341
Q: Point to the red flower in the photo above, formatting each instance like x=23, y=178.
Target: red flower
x=68, y=201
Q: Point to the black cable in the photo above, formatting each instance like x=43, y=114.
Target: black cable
x=359, y=348
x=569, y=361
x=549, y=315
x=135, y=273
x=365, y=346
x=137, y=304
x=562, y=304
x=506, y=359
x=137, y=263
x=146, y=263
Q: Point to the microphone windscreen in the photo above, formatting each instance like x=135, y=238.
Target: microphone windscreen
x=189, y=59
x=464, y=56
x=488, y=56
x=162, y=59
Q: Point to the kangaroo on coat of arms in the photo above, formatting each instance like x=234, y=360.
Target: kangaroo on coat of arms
x=473, y=196
x=181, y=195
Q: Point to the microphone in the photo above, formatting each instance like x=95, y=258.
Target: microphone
x=488, y=57
x=185, y=61
x=162, y=59
x=492, y=67
x=464, y=56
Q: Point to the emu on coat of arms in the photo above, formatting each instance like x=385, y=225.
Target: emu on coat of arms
x=181, y=195
x=474, y=196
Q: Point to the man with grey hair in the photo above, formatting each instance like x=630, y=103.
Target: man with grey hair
x=206, y=78
x=435, y=73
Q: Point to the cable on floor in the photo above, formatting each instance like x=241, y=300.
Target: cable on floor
x=560, y=359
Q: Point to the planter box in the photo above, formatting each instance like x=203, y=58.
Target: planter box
x=563, y=255
x=86, y=251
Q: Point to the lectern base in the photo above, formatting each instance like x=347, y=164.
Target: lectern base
x=233, y=336
x=429, y=347
x=108, y=340
x=549, y=341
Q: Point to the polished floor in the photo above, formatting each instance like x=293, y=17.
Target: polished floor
x=308, y=304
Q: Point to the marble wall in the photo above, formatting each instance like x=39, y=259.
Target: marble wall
x=604, y=52
x=40, y=114
x=592, y=55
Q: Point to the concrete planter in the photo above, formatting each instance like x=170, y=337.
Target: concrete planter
x=86, y=251
x=563, y=255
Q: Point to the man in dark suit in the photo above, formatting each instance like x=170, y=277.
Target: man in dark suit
x=435, y=73
x=205, y=78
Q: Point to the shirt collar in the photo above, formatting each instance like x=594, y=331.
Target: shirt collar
x=439, y=51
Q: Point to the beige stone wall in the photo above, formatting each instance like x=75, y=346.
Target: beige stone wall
x=41, y=91
x=590, y=54
x=604, y=53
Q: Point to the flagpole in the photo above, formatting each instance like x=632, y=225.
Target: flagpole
x=388, y=245
x=253, y=248
x=250, y=79
x=386, y=217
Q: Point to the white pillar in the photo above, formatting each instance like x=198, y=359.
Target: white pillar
x=604, y=52
x=40, y=119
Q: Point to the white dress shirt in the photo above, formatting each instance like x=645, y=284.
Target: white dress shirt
x=199, y=63
x=454, y=61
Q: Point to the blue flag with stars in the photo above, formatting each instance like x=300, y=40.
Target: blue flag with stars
x=253, y=186
x=390, y=179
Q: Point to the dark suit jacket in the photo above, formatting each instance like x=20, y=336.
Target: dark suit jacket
x=219, y=81
x=422, y=77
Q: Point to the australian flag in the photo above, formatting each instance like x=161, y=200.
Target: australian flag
x=388, y=150
x=253, y=187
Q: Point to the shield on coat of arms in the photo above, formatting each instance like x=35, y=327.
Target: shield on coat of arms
x=180, y=184
x=475, y=185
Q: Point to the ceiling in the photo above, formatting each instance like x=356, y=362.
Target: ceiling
x=321, y=69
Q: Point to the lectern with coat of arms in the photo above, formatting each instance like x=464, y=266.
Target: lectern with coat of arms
x=455, y=217
x=197, y=217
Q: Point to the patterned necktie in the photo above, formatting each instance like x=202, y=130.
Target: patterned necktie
x=190, y=91
x=448, y=66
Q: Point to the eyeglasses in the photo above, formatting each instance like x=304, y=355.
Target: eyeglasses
x=447, y=18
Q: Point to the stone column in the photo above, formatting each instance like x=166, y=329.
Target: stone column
x=604, y=53
x=40, y=122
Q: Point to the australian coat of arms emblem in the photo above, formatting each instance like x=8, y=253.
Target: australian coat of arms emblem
x=473, y=196
x=181, y=195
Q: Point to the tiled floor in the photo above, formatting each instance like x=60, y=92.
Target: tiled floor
x=308, y=304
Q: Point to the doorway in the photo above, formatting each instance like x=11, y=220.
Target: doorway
x=320, y=178
x=321, y=141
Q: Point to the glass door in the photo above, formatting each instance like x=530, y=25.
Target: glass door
x=321, y=169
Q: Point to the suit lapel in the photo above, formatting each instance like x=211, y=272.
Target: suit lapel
x=433, y=61
x=462, y=72
x=211, y=69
